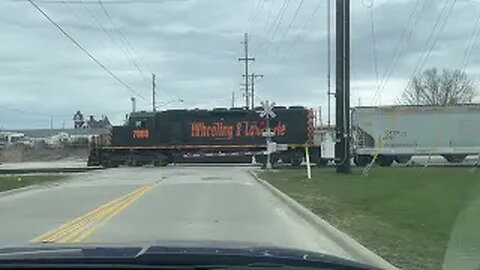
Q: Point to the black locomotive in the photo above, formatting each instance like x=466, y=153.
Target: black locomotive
x=218, y=135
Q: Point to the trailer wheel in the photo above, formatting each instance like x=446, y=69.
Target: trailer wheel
x=403, y=159
x=134, y=162
x=322, y=162
x=296, y=158
x=362, y=160
x=385, y=161
x=455, y=158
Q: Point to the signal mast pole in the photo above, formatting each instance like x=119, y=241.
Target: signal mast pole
x=342, y=128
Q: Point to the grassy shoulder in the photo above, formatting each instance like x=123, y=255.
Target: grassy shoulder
x=18, y=181
x=405, y=215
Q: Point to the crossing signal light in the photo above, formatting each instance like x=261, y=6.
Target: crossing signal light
x=262, y=123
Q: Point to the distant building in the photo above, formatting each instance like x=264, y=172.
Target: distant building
x=102, y=123
x=80, y=122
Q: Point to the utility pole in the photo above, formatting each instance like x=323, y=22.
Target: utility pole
x=342, y=129
x=51, y=122
x=329, y=61
x=233, y=99
x=154, y=105
x=254, y=76
x=246, y=59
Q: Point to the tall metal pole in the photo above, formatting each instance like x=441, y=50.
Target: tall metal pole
x=346, y=92
x=329, y=60
x=246, y=70
x=154, y=94
x=342, y=146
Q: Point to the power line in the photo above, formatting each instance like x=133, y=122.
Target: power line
x=276, y=22
x=299, y=35
x=105, y=2
x=289, y=27
x=85, y=51
x=400, y=45
x=473, y=42
x=269, y=16
x=279, y=22
x=256, y=18
x=84, y=27
x=124, y=40
x=434, y=37
x=112, y=38
x=251, y=15
x=374, y=39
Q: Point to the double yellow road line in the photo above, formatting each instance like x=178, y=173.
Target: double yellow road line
x=82, y=227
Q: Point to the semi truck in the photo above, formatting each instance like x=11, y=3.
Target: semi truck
x=397, y=133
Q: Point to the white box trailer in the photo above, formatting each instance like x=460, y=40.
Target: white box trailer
x=400, y=132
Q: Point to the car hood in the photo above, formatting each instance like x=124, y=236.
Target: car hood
x=224, y=251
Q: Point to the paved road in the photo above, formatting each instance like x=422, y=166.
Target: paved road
x=63, y=163
x=128, y=205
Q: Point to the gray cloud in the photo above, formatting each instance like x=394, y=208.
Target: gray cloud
x=193, y=48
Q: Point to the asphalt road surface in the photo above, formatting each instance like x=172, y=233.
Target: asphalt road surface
x=145, y=205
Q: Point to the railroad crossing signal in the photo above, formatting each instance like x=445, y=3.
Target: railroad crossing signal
x=267, y=111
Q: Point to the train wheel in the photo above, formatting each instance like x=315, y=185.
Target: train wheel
x=402, y=159
x=362, y=160
x=160, y=162
x=130, y=163
x=455, y=158
x=385, y=161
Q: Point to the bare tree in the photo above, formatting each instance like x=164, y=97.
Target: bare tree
x=445, y=88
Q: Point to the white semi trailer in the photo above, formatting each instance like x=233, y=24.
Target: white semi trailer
x=396, y=133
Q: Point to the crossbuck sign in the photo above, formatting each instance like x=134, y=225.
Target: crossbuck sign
x=267, y=110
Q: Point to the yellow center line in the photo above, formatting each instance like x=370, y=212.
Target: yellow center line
x=107, y=211
x=67, y=225
x=79, y=224
x=117, y=211
x=92, y=226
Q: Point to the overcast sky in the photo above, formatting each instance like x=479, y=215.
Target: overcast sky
x=193, y=47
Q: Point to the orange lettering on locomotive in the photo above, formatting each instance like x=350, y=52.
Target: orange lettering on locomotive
x=141, y=134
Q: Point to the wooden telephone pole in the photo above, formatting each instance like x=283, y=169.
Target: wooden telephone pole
x=253, y=77
x=154, y=93
x=247, y=59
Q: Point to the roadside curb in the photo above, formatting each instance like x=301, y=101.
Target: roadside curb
x=350, y=245
x=17, y=190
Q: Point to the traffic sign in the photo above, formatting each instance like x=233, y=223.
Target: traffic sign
x=267, y=110
x=268, y=134
x=282, y=147
x=271, y=147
